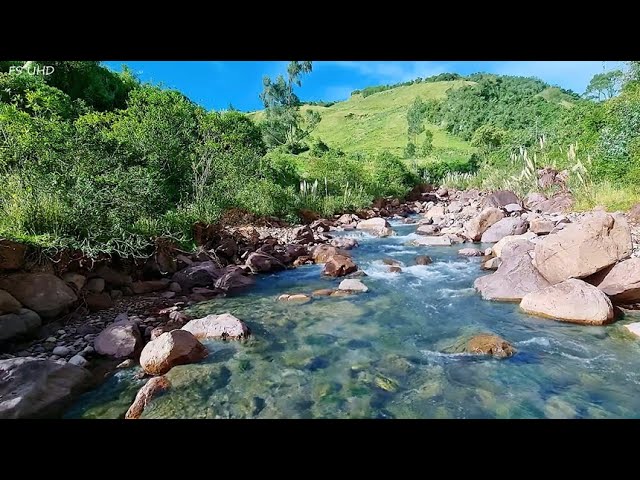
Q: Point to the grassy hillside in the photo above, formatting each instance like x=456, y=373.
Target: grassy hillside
x=379, y=122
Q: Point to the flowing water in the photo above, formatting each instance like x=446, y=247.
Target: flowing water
x=380, y=354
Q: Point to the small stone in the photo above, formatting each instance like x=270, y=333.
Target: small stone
x=51, y=340
x=61, y=351
x=394, y=269
x=116, y=294
x=61, y=332
x=78, y=360
x=423, y=260
x=175, y=287
x=168, y=294
x=88, y=350
x=128, y=363
x=52, y=357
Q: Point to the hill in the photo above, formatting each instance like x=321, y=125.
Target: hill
x=379, y=121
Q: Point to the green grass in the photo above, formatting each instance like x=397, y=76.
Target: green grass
x=378, y=122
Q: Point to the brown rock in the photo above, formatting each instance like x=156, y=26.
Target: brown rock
x=119, y=340
x=297, y=297
x=561, y=202
x=571, y=301
x=148, y=286
x=584, y=247
x=322, y=253
x=500, y=199
x=634, y=214
x=503, y=228
x=113, y=277
x=151, y=389
x=199, y=275
x=339, y=266
x=303, y=234
x=224, y=326
x=11, y=255
x=304, y=260
x=233, y=281
x=423, y=260
x=45, y=294
x=344, y=243
x=8, y=304
x=475, y=227
x=263, y=262
x=395, y=269
x=323, y=292
x=516, y=276
x=178, y=347
x=376, y=226
x=486, y=344
x=75, y=279
x=620, y=282
x=391, y=261
x=532, y=199
x=98, y=301
x=541, y=226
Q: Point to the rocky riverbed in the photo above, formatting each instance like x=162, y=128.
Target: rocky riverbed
x=419, y=311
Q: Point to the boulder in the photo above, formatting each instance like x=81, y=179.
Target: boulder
x=541, y=226
x=513, y=207
x=339, y=266
x=634, y=328
x=620, y=282
x=199, y=275
x=532, y=199
x=583, y=248
x=375, y=226
x=11, y=255
x=121, y=339
x=561, y=202
x=322, y=253
x=302, y=234
x=321, y=225
x=113, y=277
x=259, y=262
x=427, y=229
x=98, y=301
x=233, y=281
x=439, y=241
x=224, y=326
x=503, y=228
x=572, y=301
x=500, y=198
x=487, y=344
x=96, y=285
x=394, y=269
x=24, y=322
x=75, y=279
x=8, y=304
x=634, y=214
x=148, y=286
x=470, y=252
x=345, y=243
x=515, y=277
x=479, y=224
x=436, y=211
x=491, y=264
x=177, y=347
x=78, y=360
x=149, y=390
x=499, y=246
x=38, y=388
x=423, y=260
x=352, y=285
x=391, y=261
x=45, y=294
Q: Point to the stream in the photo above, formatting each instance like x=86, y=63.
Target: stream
x=379, y=354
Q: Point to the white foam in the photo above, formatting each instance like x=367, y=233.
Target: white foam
x=456, y=292
x=543, y=341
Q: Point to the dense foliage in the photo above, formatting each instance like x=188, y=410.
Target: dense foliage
x=96, y=160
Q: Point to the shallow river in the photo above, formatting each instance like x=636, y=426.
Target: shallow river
x=379, y=354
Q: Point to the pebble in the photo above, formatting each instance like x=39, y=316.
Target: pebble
x=51, y=340
x=54, y=357
x=88, y=350
x=61, y=332
x=78, y=360
x=61, y=351
x=89, y=337
x=128, y=363
x=151, y=319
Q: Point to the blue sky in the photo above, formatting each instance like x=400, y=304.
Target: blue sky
x=216, y=84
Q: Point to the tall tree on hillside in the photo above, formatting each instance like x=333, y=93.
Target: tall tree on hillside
x=284, y=124
x=604, y=85
x=415, y=117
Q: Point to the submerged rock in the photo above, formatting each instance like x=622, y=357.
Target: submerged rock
x=487, y=344
x=353, y=285
x=178, y=347
x=224, y=326
x=151, y=389
x=427, y=241
x=297, y=297
x=323, y=292
x=583, y=248
x=634, y=328
x=572, y=301
x=423, y=260
x=38, y=388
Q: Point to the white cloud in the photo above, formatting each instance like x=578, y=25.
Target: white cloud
x=392, y=72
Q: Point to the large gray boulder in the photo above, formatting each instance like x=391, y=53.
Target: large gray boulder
x=22, y=323
x=202, y=274
x=620, y=282
x=583, y=248
x=224, y=326
x=177, y=347
x=573, y=301
x=8, y=303
x=45, y=294
x=121, y=339
x=38, y=388
x=503, y=228
x=501, y=198
x=515, y=277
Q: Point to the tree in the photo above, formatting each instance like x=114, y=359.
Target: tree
x=415, y=117
x=604, y=85
x=283, y=124
x=427, y=146
x=488, y=137
x=410, y=150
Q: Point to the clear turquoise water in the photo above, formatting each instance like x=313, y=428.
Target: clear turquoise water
x=379, y=354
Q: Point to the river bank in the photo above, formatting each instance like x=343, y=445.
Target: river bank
x=448, y=218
